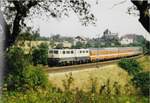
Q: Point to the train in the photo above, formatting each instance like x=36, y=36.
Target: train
x=62, y=57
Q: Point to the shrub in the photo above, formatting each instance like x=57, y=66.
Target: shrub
x=130, y=65
x=16, y=60
x=40, y=54
x=30, y=78
x=142, y=81
x=16, y=63
x=21, y=75
x=35, y=77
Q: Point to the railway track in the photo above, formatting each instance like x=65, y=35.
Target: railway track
x=84, y=66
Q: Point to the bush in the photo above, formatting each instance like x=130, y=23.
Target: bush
x=40, y=54
x=16, y=60
x=21, y=75
x=142, y=81
x=130, y=65
x=46, y=96
x=30, y=78
x=35, y=77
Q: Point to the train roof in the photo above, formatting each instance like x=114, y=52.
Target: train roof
x=69, y=49
x=104, y=48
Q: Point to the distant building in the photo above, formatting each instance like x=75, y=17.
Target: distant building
x=67, y=44
x=64, y=44
x=108, y=38
x=80, y=39
x=128, y=39
x=107, y=35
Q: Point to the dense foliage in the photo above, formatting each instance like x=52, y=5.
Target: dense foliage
x=69, y=95
x=40, y=54
x=79, y=45
x=35, y=77
x=147, y=46
x=142, y=80
x=54, y=96
x=130, y=65
x=21, y=75
x=17, y=62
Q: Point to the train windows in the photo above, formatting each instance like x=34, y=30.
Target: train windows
x=83, y=51
x=87, y=51
x=68, y=52
x=63, y=52
x=80, y=51
x=71, y=52
x=56, y=52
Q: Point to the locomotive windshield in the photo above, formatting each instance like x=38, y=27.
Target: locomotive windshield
x=56, y=52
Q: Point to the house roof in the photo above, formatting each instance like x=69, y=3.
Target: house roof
x=129, y=36
x=81, y=38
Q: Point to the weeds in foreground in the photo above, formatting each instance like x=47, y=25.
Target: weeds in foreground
x=108, y=93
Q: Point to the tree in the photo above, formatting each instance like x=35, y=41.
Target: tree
x=130, y=65
x=79, y=45
x=56, y=38
x=21, y=74
x=143, y=6
x=147, y=45
x=35, y=36
x=40, y=54
x=142, y=81
x=18, y=10
x=15, y=66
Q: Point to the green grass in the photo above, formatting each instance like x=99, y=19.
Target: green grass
x=145, y=62
x=82, y=86
x=112, y=72
x=82, y=78
x=49, y=96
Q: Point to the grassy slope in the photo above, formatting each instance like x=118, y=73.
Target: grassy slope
x=102, y=74
x=82, y=80
x=145, y=63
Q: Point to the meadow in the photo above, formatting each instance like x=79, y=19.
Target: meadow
x=145, y=63
x=113, y=73
x=106, y=84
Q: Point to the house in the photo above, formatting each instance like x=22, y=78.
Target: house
x=80, y=39
x=128, y=39
x=67, y=44
x=64, y=44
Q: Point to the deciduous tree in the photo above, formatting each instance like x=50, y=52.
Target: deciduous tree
x=18, y=10
x=143, y=6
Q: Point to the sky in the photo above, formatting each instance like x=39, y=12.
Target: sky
x=115, y=18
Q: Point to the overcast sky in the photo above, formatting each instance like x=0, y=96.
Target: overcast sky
x=108, y=16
